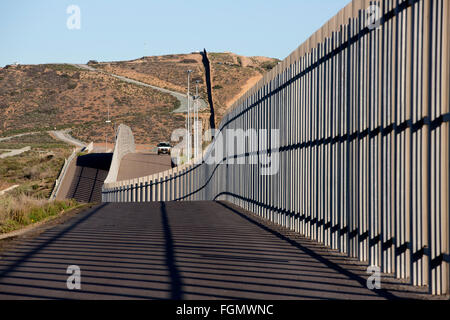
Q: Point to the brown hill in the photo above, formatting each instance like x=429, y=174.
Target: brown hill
x=41, y=97
x=232, y=74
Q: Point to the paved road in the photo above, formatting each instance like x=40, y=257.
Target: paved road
x=199, y=250
x=180, y=96
x=63, y=135
x=136, y=165
x=16, y=136
x=15, y=152
x=4, y=191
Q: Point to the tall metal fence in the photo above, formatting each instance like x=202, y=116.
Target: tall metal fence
x=363, y=113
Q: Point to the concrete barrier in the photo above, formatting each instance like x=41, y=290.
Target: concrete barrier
x=123, y=146
x=62, y=174
x=90, y=147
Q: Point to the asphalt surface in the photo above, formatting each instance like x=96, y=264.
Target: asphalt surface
x=63, y=135
x=198, y=250
x=13, y=153
x=136, y=165
x=16, y=136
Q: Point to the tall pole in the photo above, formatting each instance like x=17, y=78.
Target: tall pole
x=196, y=133
x=108, y=121
x=189, y=118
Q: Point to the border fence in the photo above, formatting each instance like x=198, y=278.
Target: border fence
x=362, y=109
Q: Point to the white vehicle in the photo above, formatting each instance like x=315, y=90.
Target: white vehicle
x=164, y=148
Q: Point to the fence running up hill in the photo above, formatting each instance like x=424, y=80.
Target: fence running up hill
x=363, y=115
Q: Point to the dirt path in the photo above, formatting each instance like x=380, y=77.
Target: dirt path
x=13, y=153
x=2, y=192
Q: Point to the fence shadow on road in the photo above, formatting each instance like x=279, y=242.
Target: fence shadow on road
x=168, y=250
x=332, y=265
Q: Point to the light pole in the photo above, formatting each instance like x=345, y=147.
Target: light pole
x=188, y=117
x=196, y=127
x=108, y=121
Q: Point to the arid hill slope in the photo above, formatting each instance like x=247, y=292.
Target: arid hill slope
x=232, y=74
x=41, y=97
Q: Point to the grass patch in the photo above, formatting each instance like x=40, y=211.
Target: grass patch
x=19, y=212
x=71, y=85
x=62, y=67
x=269, y=65
x=35, y=171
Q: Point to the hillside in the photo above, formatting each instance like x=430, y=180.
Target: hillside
x=44, y=96
x=41, y=97
x=232, y=74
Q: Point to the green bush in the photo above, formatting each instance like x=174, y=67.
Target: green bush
x=71, y=85
x=269, y=65
x=19, y=211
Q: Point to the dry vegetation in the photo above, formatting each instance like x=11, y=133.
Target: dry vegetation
x=162, y=71
x=44, y=96
x=35, y=172
x=232, y=74
x=22, y=210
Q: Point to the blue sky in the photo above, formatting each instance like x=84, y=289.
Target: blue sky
x=35, y=31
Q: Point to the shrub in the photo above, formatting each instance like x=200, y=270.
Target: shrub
x=71, y=85
x=269, y=65
x=22, y=210
x=188, y=61
x=31, y=173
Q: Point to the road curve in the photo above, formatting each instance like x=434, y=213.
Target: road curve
x=180, y=96
x=63, y=135
x=183, y=250
x=16, y=136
